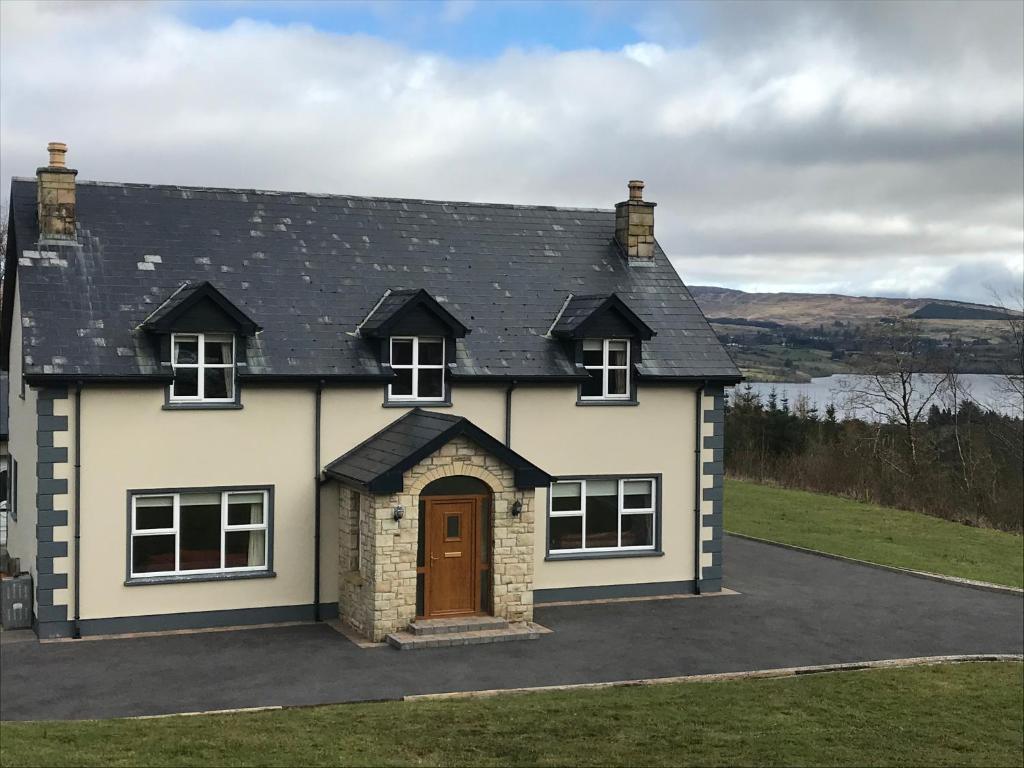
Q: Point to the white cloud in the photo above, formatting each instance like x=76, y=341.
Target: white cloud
x=784, y=149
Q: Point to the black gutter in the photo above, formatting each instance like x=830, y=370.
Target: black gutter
x=76, y=631
x=316, y=505
x=51, y=379
x=508, y=413
x=698, y=477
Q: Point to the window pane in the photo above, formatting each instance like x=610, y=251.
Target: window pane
x=401, y=351
x=637, y=530
x=151, y=554
x=592, y=353
x=566, y=532
x=452, y=525
x=617, y=352
x=218, y=383
x=637, y=494
x=245, y=549
x=402, y=385
x=431, y=352
x=200, y=531
x=217, y=349
x=154, y=512
x=602, y=513
x=594, y=386
x=431, y=382
x=186, y=382
x=617, y=381
x=565, y=497
x=186, y=350
x=245, y=509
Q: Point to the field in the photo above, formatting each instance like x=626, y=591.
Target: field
x=951, y=715
x=873, y=533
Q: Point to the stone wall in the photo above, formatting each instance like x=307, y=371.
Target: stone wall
x=355, y=532
x=381, y=597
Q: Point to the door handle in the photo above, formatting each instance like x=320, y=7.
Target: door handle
x=435, y=557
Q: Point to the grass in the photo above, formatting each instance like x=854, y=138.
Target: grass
x=955, y=715
x=877, y=534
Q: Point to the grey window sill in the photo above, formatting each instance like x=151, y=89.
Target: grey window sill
x=139, y=581
x=604, y=555
x=202, y=406
x=417, y=404
x=633, y=401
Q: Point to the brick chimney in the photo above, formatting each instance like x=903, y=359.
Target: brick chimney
x=634, y=225
x=55, y=195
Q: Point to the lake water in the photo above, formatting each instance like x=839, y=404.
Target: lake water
x=983, y=388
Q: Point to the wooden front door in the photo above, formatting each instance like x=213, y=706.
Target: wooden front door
x=452, y=576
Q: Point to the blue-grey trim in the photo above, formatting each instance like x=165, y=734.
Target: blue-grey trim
x=584, y=554
x=609, y=591
x=581, y=402
x=605, y=555
x=711, y=576
x=415, y=403
x=130, y=580
x=176, y=406
x=137, y=581
x=52, y=629
x=49, y=520
x=166, y=622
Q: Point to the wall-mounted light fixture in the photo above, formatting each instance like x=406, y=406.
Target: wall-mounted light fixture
x=398, y=512
x=517, y=508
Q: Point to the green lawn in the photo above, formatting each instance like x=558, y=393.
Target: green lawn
x=873, y=533
x=956, y=715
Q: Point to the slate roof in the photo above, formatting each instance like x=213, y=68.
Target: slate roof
x=579, y=309
x=378, y=462
x=309, y=268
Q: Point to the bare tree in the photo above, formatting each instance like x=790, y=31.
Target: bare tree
x=898, y=389
x=1011, y=382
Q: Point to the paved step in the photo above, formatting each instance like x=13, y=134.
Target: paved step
x=407, y=641
x=455, y=624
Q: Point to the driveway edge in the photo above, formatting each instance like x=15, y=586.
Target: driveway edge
x=760, y=674
x=985, y=586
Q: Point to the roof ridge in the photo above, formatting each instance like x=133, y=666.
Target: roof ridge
x=327, y=195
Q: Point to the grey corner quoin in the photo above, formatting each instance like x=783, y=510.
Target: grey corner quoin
x=711, y=576
x=52, y=617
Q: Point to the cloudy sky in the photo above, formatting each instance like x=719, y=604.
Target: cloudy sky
x=870, y=148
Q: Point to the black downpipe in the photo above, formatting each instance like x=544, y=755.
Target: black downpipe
x=698, y=476
x=508, y=414
x=76, y=632
x=316, y=505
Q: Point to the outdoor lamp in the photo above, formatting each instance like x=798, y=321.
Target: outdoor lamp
x=517, y=508
x=398, y=512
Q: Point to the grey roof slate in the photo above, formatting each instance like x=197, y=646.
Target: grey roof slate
x=309, y=268
x=378, y=462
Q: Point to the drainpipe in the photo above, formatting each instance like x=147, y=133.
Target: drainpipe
x=316, y=504
x=76, y=632
x=698, y=473
x=508, y=414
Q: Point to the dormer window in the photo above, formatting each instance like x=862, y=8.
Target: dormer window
x=204, y=367
x=607, y=362
x=418, y=363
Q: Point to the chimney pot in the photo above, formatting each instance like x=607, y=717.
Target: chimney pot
x=636, y=190
x=57, y=150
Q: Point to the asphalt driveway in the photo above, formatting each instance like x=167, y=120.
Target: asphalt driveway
x=794, y=609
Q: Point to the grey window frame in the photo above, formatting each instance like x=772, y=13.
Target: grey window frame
x=224, y=574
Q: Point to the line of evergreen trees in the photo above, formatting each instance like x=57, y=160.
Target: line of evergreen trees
x=960, y=461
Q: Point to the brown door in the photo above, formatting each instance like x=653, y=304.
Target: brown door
x=451, y=561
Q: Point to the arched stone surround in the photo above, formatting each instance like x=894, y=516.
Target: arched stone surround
x=381, y=596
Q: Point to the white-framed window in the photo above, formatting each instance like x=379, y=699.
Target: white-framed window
x=196, y=532
x=602, y=514
x=418, y=363
x=204, y=367
x=607, y=362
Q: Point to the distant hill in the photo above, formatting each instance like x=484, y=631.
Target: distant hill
x=813, y=309
x=797, y=336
